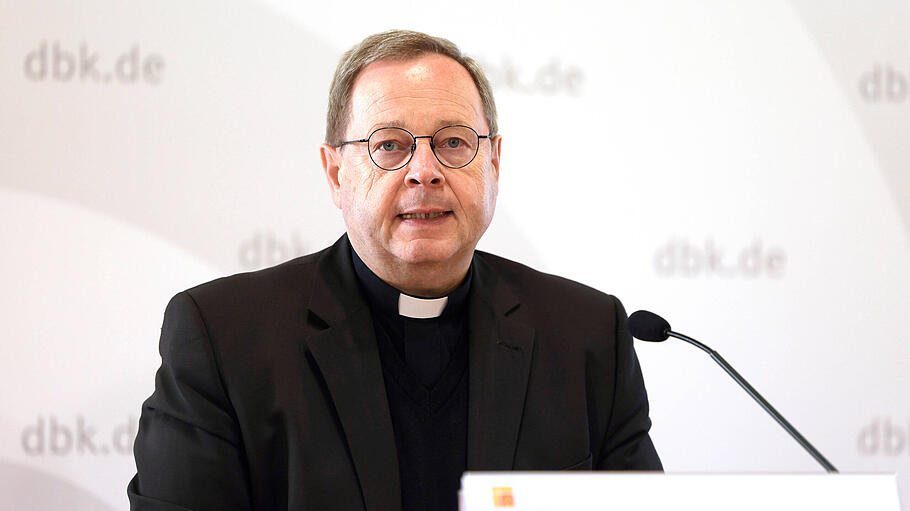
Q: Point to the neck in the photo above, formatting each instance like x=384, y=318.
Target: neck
x=424, y=280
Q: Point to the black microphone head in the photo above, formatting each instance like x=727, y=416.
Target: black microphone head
x=648, y=326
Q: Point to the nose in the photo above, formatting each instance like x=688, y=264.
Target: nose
x=424, y=169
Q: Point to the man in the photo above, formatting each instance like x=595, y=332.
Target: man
x=372, y=374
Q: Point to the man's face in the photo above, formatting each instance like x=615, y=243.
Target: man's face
x=379, y=206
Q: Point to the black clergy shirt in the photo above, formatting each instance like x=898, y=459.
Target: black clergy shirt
x=425, y=370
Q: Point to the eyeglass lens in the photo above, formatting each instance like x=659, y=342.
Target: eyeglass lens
x=454, y=146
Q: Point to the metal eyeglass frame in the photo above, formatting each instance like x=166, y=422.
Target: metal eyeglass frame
x=414, y=145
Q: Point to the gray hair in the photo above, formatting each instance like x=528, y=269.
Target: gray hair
x=400, y=45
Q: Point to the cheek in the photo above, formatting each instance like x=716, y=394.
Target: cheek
x=369, y=197
x=491, y=193
x=489, y=201
x=477, y=195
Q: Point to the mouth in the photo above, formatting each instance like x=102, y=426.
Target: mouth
x=424, y=216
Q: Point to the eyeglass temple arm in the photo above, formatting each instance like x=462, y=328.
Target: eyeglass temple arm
x=346, y=142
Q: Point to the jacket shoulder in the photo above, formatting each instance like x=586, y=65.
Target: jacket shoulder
x=550, y=292
x=268, y=287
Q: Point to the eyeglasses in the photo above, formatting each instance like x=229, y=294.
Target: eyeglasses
x=392, y=148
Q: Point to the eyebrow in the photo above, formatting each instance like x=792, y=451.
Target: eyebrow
x=400, y=124
x=387, y=124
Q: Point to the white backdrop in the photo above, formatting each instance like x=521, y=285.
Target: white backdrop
x=741, y=168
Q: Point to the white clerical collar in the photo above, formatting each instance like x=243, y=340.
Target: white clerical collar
x=421, y=308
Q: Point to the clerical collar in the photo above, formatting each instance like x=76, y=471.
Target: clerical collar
x=388, y=300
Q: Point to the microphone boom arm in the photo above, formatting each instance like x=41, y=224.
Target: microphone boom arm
x=759, y=399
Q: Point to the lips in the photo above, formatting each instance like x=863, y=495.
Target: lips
x=423, y=216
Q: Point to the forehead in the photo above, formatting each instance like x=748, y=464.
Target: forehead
x=420, y=94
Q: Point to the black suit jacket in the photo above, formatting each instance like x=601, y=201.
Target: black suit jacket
x=270, y=392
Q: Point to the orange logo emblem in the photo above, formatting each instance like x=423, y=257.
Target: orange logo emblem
x=502, y=497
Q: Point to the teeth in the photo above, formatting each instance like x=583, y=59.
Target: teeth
x=422, y=216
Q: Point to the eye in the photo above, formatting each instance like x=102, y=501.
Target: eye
x=452, y=143
x=388, y=145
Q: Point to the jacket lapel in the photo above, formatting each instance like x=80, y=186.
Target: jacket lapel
x=500, y=353
x=345, y=351
x=344, y=347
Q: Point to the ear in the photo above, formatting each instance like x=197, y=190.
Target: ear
x=496, y=143
x=331, y=165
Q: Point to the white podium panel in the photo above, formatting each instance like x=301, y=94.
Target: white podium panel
x=589, y=491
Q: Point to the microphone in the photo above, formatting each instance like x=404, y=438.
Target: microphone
x=647, y=326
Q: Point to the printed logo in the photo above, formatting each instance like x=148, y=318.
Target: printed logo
x=55, y=63
x=57, y=438
x=264, y=249
x=502, y=497
x=884, y=84
x=682, y=258
x=552, y=78
x=881, y=437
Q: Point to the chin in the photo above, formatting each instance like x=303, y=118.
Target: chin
x=426, y=251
